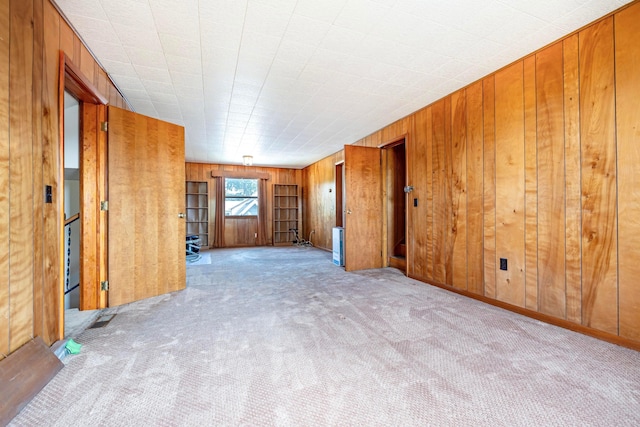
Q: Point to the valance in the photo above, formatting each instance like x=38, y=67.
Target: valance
x=240, y=174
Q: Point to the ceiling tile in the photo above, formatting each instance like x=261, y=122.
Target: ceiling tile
x=138, y=37
x=326, y=10
x=295, y=80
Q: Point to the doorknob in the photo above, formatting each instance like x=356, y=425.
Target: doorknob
x=181, y=215
x=349, y=211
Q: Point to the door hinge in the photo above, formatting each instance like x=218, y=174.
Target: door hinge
x=104, y=205
x=104, y=285
x=104, y=126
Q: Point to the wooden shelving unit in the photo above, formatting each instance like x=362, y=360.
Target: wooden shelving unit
x=197, y=205
x=285, y=213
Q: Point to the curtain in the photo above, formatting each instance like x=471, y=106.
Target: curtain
x=262, y=212
x=218, y=225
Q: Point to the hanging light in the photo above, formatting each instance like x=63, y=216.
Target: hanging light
x=247, y=160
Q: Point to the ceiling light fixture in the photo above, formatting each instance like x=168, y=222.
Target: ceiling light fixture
x=247, y=160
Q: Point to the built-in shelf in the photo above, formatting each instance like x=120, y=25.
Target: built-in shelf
x=197, y=206
x=285, y=213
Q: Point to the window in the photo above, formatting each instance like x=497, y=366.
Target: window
x=240, y=197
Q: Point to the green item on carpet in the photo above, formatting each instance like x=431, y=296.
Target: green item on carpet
x=73, y=347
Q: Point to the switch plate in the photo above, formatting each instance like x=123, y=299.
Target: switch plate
x=503, y=264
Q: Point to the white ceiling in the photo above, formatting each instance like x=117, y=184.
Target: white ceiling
x=292, y=81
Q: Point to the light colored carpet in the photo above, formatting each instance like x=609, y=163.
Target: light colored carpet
x=76, y=321
x=280, y=336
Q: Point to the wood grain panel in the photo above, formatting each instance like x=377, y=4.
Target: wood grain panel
x=439, y=201
x=458, y=186
x=147, y=211
x=551, y=181
x=4, y=177
x=363, y=192
x=38, y=202
x=447, y=195
x=122, y=227
x=89, y=213
x=510, y=191
x=531, y=184
x=573, y=209
x=67, y=40
x=430, y=170
x=627, y=64
x=239, y=232
x=597, y=130
x=475, y=160
x=171, y=154
x=391, y=132
x=51, y=172
x=489, y=186
x=418, y=174
x=102, y=81
x=21, y=178
x=87, y=64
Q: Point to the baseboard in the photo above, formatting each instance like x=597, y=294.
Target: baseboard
x=398, y=262
x=23, y=374
x=585, y=330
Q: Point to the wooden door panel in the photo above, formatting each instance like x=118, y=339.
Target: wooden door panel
x=363, y=196
x=146, y=194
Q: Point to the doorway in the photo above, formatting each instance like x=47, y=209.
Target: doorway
x=396, y=203
x=339, y=186
x=82, y=187
x=71, y=161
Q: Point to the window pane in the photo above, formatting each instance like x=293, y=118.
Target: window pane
x=240, y=207
x=240, y=187
x=241, y=197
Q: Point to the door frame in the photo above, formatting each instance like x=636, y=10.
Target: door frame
x=93, y=222
x=400, y=139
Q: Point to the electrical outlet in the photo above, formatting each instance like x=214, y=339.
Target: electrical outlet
x=503, y=264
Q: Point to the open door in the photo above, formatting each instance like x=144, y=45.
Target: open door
x=146, y=204
x=363, y=200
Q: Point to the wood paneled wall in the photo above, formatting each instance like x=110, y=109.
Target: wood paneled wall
x=536, y=163
x=319, y=200
x=32, y=33
x=241, y=231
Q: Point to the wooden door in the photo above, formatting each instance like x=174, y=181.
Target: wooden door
x=146, y=199
x=363, y=199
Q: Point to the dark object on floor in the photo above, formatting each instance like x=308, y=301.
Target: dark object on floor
x=102, y=321
x=193, y=248
x=193, y=244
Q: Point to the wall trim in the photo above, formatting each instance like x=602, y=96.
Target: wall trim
x=585, y=330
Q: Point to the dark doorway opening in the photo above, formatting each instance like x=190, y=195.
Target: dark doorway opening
x=396, y=174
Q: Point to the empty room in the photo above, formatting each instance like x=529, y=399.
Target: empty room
x=310, y=213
